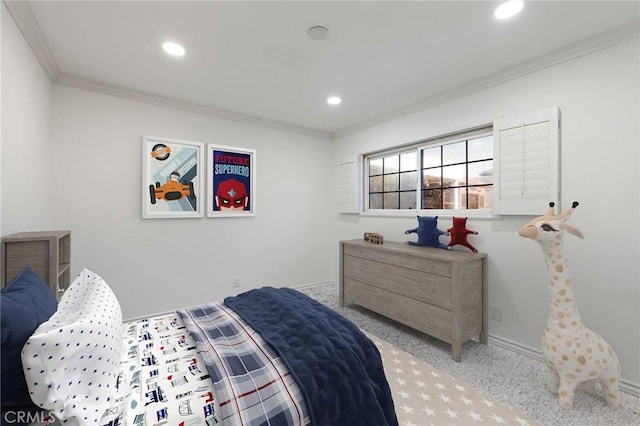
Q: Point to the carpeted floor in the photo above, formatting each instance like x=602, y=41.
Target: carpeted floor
x=513, y=379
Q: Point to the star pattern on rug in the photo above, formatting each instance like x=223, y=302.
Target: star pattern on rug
x=424, y=396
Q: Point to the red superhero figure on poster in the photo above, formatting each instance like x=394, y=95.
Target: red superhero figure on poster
x=232, y=195
x=459, y=233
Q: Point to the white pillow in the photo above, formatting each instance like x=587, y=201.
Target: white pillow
x=72, y=362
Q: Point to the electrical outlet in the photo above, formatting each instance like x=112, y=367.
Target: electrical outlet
x=235, y=280
x=495, y=313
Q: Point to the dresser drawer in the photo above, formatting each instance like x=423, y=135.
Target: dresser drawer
x=414, y=313
x=428, y=288
x=400, y=258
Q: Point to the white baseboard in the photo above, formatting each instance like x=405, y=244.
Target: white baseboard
x=309, y=285
x=625, y=385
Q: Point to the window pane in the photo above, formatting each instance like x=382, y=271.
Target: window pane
x=408, y=200
x=481, y=197
x=432, y=199
x=391, y=182
x=392, y=164
x=454, y=175
x=454, y=153
x=375, y=201
x=375, y=184
x=481, y=148
x=481, y=173
x=391, y=200
x=431, y=178
x=408, y=162
x=375, y=167
x=431, y=157
x=408, y=181
x=454, y=198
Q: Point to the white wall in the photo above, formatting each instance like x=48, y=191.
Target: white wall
x=27, y=166
x=598, y=98
x=158, y=264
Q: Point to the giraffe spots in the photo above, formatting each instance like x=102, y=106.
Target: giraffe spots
x=559, y=268
x=563, y=393
x=565, y=357
x=613, y=380
x=593, y=374
x=582, y=360
x=562, y=292
x=560, y=314
x=562, y=325
x=600, y=347
x=567, y=281
x=574, y=323
x=613, y=396
x=568, y=343
x=571, y=376
x=589, y=350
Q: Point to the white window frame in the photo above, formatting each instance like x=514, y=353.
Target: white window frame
x=450, y=138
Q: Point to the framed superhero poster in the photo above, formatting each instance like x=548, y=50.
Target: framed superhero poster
x=231, y=181
x=171, y=178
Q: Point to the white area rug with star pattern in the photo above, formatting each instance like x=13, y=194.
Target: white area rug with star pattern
x=425, y=396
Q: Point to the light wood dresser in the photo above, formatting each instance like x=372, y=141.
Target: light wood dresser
x=442, y=293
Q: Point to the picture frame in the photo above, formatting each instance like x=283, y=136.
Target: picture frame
x=172, y=178
x=231, y=181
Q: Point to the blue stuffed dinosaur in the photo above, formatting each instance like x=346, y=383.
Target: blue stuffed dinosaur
x=428, y=233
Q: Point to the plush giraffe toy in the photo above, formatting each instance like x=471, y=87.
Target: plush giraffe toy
x=573, y=353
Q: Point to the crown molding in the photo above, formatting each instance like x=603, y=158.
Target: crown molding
x=121, y=92
x=573, y=51
x=21, y=13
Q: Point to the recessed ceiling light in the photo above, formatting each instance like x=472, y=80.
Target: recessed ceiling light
x=334, y=100
x=173, y=49
x=508, y=9
x=318, y=32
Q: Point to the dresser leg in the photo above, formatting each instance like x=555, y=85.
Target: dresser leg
x=456, y=351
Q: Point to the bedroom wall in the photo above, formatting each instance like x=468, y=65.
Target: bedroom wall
x=598, y=98
x=154, y=265
x=25, y=156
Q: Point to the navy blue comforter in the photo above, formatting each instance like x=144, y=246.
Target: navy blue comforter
x=338, y=368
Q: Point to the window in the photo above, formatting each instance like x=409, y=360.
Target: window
x=451, y=174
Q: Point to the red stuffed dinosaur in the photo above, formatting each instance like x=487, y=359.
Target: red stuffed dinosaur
x=459, y=233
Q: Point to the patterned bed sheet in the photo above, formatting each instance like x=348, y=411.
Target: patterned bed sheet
x=252, y=384
x=166, y=377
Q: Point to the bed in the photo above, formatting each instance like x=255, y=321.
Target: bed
x=265, y=357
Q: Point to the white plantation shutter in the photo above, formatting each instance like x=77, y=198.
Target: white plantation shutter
x=526, y=166
x=349, y=185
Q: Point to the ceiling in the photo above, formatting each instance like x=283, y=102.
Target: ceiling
x=254, y=62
